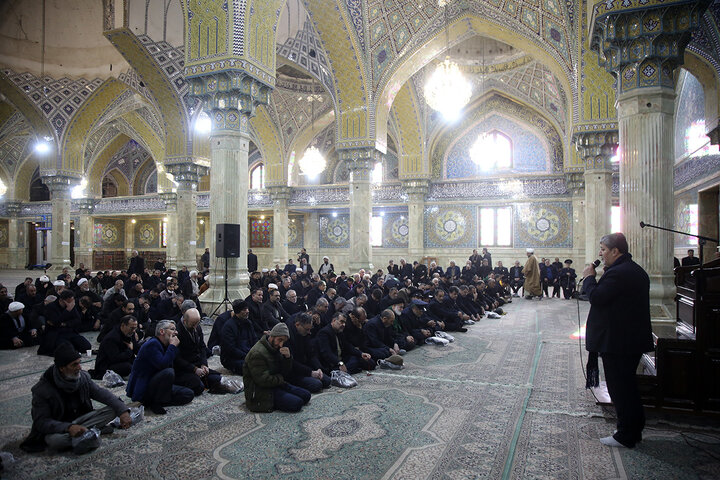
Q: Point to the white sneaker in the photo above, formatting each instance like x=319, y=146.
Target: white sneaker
x=468, y=322
x=445, y=335
x=611, y=442
x=440, y=342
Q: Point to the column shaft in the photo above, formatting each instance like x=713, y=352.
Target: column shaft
x=60, y=241
x=280, y=198
x=186, y=234
x=360, y=213
x=17, y=248
x=598, y=204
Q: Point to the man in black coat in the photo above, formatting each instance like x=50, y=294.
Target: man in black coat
x=379, y=335
x=306, y=368
x=619, y=330
x=62, y=320
x=238, y=336
x=691, y=259
x=336, y=352
x=118, y=349
x=15, y=329
x=137, y=264
x=191, y=365
x=252, y=261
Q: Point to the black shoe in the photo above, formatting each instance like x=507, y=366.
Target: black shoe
x=107, y=429
x=462, y=329
x=157, y=409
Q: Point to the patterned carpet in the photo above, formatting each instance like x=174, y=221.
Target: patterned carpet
x=506, y=400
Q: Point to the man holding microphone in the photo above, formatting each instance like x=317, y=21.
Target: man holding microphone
x=619, y=330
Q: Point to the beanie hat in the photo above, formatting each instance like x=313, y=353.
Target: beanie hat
x=65, y=354
x=280, y=330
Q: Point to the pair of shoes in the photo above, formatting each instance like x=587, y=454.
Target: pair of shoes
x=611, y=442
x=388, y=365
x=440, y=342
x=493, y=315
x=468, y=322
x=445, y=335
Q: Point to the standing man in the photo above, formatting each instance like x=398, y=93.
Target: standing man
x=619, y=330
x=531, y=270
x=205, y=260
x=252, y=262
x=137, y=264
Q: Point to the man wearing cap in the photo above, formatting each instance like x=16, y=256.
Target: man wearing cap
x=15, y=330
x=531, y=270
x=152, y=377
x=62, y=404
x=267, y=366
x=414, y=317
x=567, y=279
x=62, y=320
x=237, y=338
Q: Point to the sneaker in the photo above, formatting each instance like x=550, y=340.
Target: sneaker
x=468, y=322
x=611, y=442
x=440, y=342
x=492, y=315
x=445, y=335
x=387, y=365
x=216, y=350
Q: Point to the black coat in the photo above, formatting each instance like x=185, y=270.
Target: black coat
x=252, y=262
x=619, y=318
x=192, y=351
x=305, y=359
x=137, y=265
x=327, y=341
x=379, y=338
x=113, y=349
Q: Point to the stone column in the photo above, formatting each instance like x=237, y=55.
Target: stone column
x=575, y=182
x=360, y=162
x=708, y=220
x=60, y=187
x=17, y=249
x=280, y=197
x=596, y=149
x=416, y=191
x=187, y=175
x=171, y=213
x=641, y=48
x=85, y=231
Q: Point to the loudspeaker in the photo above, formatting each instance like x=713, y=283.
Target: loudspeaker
x=227, y=240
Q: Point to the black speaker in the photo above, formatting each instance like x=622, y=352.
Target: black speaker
x=227, y=240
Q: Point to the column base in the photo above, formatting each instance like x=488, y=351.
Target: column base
x=355, y=267
x=17, y=257
x=213, y=296
x=58, y=265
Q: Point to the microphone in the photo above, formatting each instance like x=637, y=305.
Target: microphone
x=642, y=224
x=596, y=263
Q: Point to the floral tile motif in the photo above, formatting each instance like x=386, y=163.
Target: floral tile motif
x=147, y=234
x=396, y=230
x=109, y=234
x=543, y=225
x=450, y=226
x=296, y=231
x=334, y=231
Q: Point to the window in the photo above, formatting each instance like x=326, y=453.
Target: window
x=492, y=151
x=376, y=176
x=496, y=226
x=257, y=177
x=615, y=219
x=376, y=226
x=164, y=233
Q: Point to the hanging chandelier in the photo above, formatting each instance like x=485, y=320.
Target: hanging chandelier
x=447, y=91
x=312, y=163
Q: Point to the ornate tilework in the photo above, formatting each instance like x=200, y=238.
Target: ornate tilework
x=296, y=231
x=690, y=119
x=450, y=226
x=334, y=231
x=314, y=196
x=307, y=51
x=147, y=234
x=4, y=234
x=109, y=233
x=396, y=230
x=543, y=225
x=261, y=232
x=695, y=168
x=130, y=205
x=128, y=159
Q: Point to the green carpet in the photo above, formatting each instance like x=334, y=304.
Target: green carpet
x=506, y=400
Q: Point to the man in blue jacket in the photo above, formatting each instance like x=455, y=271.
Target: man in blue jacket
x=152, y=377
x=618, y=328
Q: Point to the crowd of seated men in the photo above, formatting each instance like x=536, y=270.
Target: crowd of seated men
x=286, y=338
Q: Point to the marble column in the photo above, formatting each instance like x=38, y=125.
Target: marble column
x=596, y=149
x=709, y=220
x=280, y=197
x=360, y=162
x=17, y=249
x=641, y=48
x=171, y=224
x=416, y=190
x=575, y=182
x=85, y=231
x=60, y=187
x=187, y=176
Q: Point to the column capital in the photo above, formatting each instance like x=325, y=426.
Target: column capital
x=60, y=185
x=279, y=193
x=640, y=44
x=186, y=172
x=597, y=148
x=170, y=199
x=416, y=186
x=230, y=98
x=360, y=161
x=575, y=182
x=86, y=205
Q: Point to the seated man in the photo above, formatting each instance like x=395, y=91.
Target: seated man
x=62, y=404
x=272, y=311
x=306, y=370
x=336, y=352
x=152, y=376
x=291, y=304
x=62, y=319
x=380, y=336
x=516, y=278
x=217, y=329
x=237, y=338
x=191, y=365
x=118, y=349
x=15, y=330
x=267, y=365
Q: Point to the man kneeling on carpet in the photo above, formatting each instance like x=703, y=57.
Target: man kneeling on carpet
x=266, y=367
x=62, y=404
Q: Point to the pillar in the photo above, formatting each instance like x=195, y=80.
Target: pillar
x=709, y=220
x=416, y=191
x=60, y=187
x=641, y=48
x=85, y=232
x=17, y=249
x=280, y=197
x=187, y=176
x=596, y=149
x=575, y=182
x=171, y=214
x=360, y=162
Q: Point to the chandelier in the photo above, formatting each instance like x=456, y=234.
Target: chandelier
x=312, y=163
x=447, y=91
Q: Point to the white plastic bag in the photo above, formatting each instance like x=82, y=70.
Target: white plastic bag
x=232, y=385
x=112, y=379
x=342, y=379
x=137, y=415
x=88, y=440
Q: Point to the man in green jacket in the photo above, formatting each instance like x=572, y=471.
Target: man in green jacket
x=267, y=364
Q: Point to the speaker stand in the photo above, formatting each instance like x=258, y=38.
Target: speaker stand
x=226, y=301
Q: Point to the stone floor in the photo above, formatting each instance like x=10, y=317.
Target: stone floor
x=505, y=400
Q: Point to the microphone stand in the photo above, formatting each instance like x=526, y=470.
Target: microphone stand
x=701, y=239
